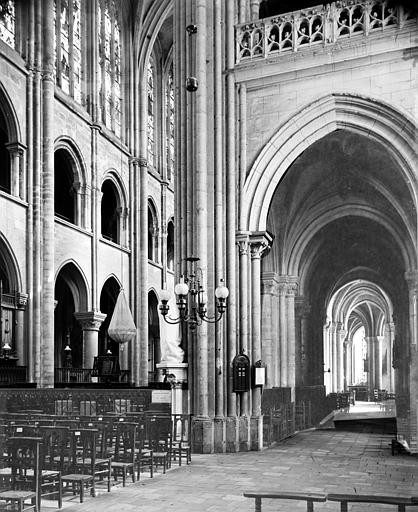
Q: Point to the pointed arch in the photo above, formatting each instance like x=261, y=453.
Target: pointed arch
x=114, y=209
x=9, y=266
x=76, y=280
x=367, y=116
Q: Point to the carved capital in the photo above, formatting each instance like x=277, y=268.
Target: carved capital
x=16, y=148
x=292, y=286
x=412, y=281
x=90, y=320
x=260, y=244
x=242, y=240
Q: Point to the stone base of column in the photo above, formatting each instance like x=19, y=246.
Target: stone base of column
x=219, y=435
x=244, y=434
x=231, y=434
x=202, y=434
x=256, y=433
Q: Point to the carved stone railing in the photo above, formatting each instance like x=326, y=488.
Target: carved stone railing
x=315, y=26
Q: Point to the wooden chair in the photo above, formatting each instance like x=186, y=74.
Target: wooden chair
x=23, y=483
x=86, y=467
x=125, y=456
x=181, y=441
x=159, y=429
x=144, y=452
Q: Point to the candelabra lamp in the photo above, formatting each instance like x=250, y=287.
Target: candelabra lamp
x=191, y=299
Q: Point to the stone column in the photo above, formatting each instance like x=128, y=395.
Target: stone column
x=244, y=250
x=282, y=286
x=334, y=358
x=391, y=371
x=341, y=333
x=299, y=351
x=18, y=181
x=292, y=287
x=48, y=222
x=141, y=352
x=378, y=361
x=370, y=358
x=260, y=242
x=268, y=329
x=255, y=9
x=90, y=322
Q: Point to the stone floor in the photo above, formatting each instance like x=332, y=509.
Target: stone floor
x=324, y=461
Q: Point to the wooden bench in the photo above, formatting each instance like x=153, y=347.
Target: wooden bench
x=309, y=497
x=345, y=499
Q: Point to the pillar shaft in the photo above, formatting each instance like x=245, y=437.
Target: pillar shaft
x=48, y=270
x=90, y=322
x=243, y=245
x=283, y=332
x=291, y=335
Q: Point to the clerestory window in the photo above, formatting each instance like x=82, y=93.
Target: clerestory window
x=68, y=58
x=110, y=65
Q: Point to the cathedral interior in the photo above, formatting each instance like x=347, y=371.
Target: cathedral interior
x=243, y=174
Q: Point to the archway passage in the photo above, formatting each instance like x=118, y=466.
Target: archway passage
x=108, y=297
x=67, y=331
x=358, y=340
x=342, y=213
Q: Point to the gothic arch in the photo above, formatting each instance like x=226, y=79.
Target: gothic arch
x=76, y=280
x=11, y=265
x=366, y=116
x=79, y=164
x=72, y=204
x=10, y=116
x=114, y=208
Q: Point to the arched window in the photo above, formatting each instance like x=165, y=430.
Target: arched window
x=110, y=213
x=110, y=65
x=154, y=348
x=170, y=245
x=4, y=157
x=64, y=194
x=152, y=233
x=68, y=47
x=151, y=113
x=169, y=105
x=7, y=22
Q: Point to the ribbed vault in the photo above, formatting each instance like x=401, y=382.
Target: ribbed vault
x=344, y=221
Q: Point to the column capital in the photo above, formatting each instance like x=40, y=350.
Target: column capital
x=412, y=280
x=292, y=286
x=16, y=147
x=90, y=320
x=140, y=161
x=260, y=244
x=242, y=239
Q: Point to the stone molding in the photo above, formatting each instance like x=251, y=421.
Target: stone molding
x=90, y=320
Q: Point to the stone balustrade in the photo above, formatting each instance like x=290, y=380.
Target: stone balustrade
x=321, y=25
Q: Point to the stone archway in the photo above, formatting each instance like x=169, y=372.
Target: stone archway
x=336, y=189
x=71, y=297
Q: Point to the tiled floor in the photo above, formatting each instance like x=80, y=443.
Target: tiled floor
x=316, y=460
